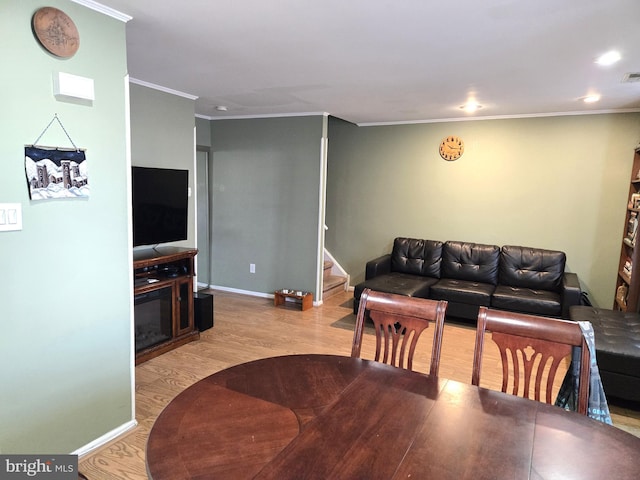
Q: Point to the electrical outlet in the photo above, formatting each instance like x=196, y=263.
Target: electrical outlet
x=252, y=268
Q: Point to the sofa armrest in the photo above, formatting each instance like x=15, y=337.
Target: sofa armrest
x=378, y=266
x=571, y=293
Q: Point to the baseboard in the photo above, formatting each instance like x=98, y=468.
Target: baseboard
x=259, y=294
x=253, y=294
x=106, y=438
x=242, y=292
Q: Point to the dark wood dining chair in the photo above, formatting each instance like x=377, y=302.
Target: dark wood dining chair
x=399, y=321
x=531, y=349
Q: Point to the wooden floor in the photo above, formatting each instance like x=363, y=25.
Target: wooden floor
x=247, y=328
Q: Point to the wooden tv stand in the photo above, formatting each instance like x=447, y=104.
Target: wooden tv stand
x=167, y=272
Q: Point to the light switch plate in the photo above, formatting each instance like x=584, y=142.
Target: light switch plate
x=10, y=217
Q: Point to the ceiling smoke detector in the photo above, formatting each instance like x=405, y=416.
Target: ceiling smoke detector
x=631, y=77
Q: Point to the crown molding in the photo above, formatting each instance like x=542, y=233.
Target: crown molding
x=501, y=117
x=435, y=120
x=162, y=89
x=272, y=115
x=98, y=7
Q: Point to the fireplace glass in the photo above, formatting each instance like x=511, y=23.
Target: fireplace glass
x=152, y=317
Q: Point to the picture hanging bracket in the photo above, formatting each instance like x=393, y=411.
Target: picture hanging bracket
x=55, y=118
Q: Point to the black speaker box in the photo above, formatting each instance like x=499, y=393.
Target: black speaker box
x=203, y=310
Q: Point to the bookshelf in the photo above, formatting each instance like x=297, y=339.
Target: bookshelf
x=628, y=277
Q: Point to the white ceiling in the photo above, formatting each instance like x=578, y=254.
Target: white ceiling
x=386, y=61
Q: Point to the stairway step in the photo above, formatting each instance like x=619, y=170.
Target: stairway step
x=333, y=280
x=328, y=265
x=332, y=285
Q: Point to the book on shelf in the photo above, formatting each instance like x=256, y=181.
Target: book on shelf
x=628, y=267
x=632, y=228
x=621, y=294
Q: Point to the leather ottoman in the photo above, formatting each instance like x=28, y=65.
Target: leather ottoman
x=617, y=336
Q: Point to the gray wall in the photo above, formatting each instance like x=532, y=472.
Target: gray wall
x=558, y=183
x=65, y=347
x=162, y=136
x=265, y=195
x=203, y=133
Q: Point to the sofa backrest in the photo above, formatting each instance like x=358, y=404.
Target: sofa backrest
x=418, y=257
x=470, y=261
x=534, y=268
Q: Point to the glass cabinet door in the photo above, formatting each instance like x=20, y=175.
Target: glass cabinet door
x=184, y=305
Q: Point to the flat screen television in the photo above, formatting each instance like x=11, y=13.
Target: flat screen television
x=160, y=199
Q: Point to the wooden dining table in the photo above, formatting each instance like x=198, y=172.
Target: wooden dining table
x=334, y=417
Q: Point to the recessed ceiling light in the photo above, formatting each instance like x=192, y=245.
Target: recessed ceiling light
x=221, y=108
x=608, y=58
x=471, y=106
x=591, y=98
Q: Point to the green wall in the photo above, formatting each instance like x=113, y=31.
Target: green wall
x=66, y=342
x=554, y=182
x=265, y=197
x=162, y=136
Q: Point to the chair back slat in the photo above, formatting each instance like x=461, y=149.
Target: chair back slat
x=398, y=323
x=532, y=348
x=538, y=360
x=397, y=339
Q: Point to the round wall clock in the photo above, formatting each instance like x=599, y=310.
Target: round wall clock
x=56, y=32
x=451, y=148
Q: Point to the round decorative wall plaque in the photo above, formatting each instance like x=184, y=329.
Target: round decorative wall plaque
x=56, y=32
x=451, y=148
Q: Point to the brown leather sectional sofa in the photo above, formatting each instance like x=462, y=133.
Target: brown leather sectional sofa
x=470, y=275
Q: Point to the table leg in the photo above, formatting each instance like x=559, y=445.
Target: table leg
x=278, y=299
x=307, y=302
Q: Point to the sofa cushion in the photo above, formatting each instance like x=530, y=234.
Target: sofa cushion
x=471, y=262
x=533, y=268
x=462, y=291
x=527, y=300
x=617, y=336
x=399, y=283
x=417, y=257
